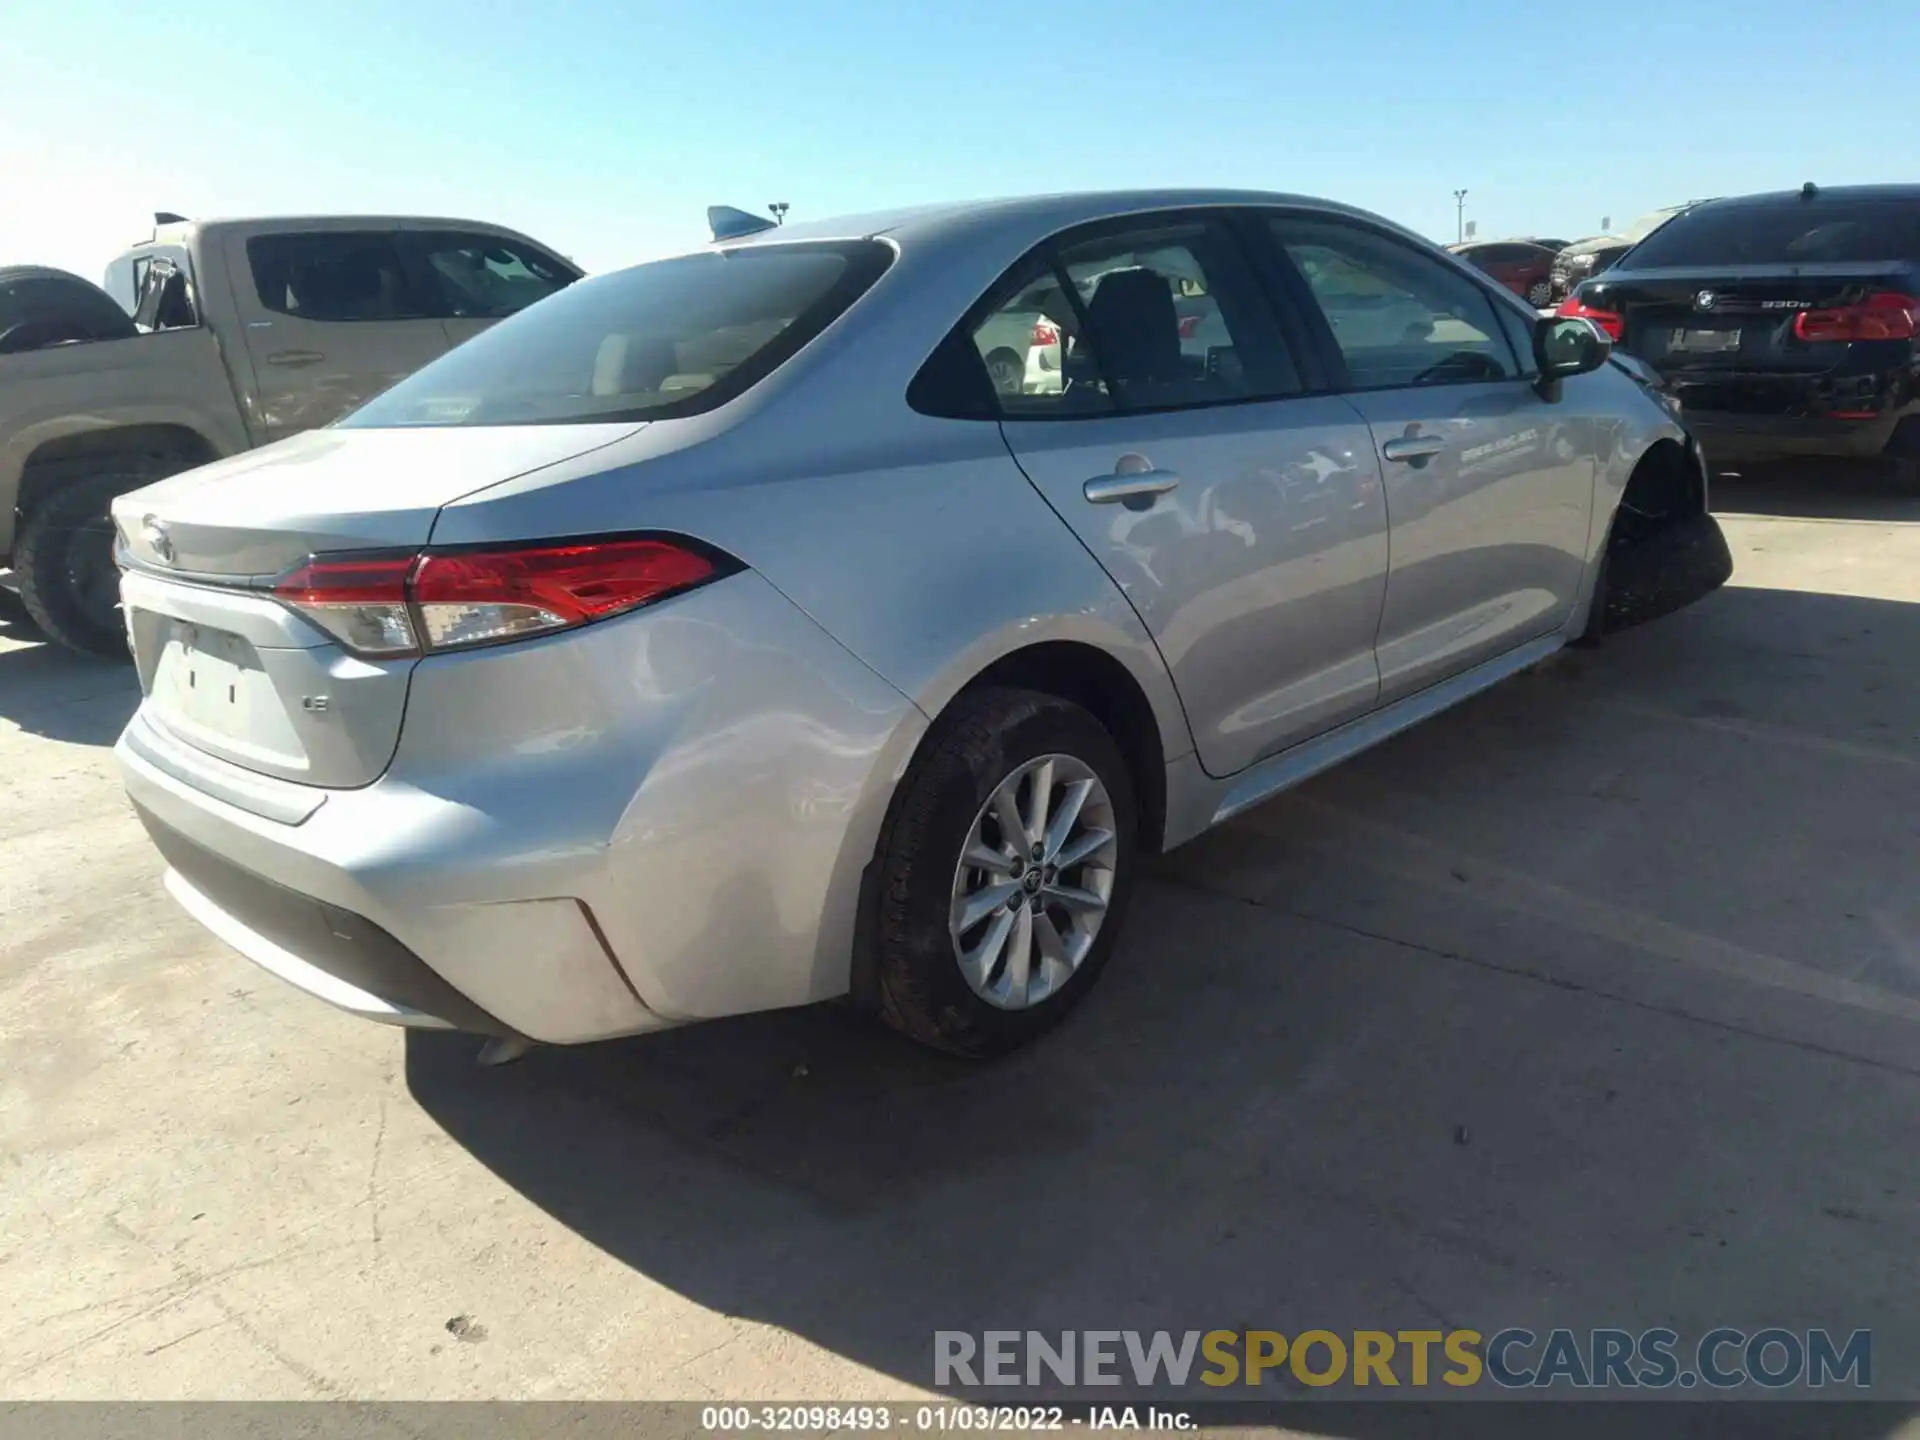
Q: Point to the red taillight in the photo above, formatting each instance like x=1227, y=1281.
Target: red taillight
x=1188, y=326
x=1886, y=316
x=1577, y=309
x=1044, y=335
x=391, y=605
x=479, y=596
x=359, y=600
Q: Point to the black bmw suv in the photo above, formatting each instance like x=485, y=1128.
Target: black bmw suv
x=1785, y=324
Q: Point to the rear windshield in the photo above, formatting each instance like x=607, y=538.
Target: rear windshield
x=669, y=338
x=1796, y=232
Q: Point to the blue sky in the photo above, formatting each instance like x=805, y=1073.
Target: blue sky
x=605, y=128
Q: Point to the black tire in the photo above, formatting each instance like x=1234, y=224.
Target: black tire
x=981, y=740
x=63, y=557
x=41, y=306
x=1540, y=294
x=1651, y=575
x=1007, y=368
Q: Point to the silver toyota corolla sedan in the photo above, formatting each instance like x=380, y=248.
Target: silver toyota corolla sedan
x=724, y=633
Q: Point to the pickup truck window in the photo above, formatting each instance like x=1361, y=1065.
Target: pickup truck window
x=341, y=275
x=674, y=337
x=165, y=297
x=484, y=276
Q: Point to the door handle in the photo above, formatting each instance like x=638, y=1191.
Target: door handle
x=1413, y=448
x=1126, y=488
x=294, y=358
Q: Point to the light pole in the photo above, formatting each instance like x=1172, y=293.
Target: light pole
x=1459, y=216
x=778, y=209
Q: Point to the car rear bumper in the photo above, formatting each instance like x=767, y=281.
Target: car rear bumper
x=1732, y=437
x=655, y=819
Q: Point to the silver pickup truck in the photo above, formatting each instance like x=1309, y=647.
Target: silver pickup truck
x=229, y=334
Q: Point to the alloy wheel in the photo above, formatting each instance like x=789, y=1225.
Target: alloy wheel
x=1034, y=881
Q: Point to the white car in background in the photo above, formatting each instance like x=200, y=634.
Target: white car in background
x=1022, y=352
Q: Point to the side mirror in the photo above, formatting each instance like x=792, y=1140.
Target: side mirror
x=1566, y=346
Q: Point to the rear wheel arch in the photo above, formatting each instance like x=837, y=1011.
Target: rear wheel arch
x=1071, y=670
x=1107, y=690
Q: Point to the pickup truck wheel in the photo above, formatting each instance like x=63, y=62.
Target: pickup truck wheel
x=64, y=562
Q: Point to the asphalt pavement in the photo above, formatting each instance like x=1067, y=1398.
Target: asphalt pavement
x=1593, y=1002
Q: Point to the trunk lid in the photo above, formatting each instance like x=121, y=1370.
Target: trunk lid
x=228, y=670
x=254, y=516
x=1713, y=324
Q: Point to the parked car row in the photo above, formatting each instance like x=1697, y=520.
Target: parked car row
x=742, y=630
x=1524, y=266
x=1783, y=324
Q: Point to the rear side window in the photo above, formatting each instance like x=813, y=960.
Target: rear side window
x=1794, y=232
x=333, y=276
x=670, y=338
x=476, y=276
x=1161, y=316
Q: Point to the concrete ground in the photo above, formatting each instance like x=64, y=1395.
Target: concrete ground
x=1592, y=1003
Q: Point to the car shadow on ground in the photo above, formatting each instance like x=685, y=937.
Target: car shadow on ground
x=1591, y=1003
x=46, y=690
x=1816, y=490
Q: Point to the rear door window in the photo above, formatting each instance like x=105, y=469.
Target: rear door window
x=341, y=275
x=1163, y=316
x=477, y=276
x=669, y=338
x=1795, y=232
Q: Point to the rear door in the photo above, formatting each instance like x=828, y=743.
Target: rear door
x=332, y=318
x=1240, y=513
x=1488, y=493
x=472, y=278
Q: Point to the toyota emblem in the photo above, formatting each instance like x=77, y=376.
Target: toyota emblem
x=1704, y=300
x=158, y=541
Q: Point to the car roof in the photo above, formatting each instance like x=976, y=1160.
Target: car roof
x=1770, y=198
x=177, y=232
x=1043, y=213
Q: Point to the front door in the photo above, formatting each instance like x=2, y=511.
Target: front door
x=332, y=319
x=1243, y=518
x=1489, y=487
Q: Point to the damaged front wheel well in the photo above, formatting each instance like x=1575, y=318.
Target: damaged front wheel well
x=1664, y=548
x=1666, y=487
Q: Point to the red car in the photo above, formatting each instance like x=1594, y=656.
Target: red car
x=1523, y=266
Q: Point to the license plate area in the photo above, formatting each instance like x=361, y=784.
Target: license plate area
x=209, y=683
x=1704, y=342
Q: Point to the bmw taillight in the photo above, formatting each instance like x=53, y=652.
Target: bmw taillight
x=1575, y=308
x=449, y=600
x=1886, y=316
x=1044, y=335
